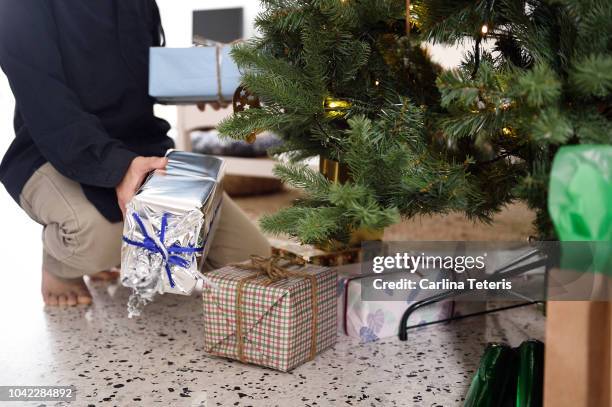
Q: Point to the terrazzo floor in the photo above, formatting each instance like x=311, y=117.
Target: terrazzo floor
x=158, y=359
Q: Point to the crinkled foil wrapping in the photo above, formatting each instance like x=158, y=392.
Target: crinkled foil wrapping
x=189, y=194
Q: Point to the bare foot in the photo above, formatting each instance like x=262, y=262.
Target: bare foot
x=64, y=292
x=107, y=275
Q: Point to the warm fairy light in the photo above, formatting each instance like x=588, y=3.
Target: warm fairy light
x=377, y=82
x=484, y=29
x=507, y=131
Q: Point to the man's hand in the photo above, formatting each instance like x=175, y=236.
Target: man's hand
x=134, y=176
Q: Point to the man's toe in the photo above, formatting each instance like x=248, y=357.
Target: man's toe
x=62, y=300
x=71, y=299
x=50, y=299
x=84, y=298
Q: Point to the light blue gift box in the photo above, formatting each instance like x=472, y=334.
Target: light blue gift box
x=189, y=75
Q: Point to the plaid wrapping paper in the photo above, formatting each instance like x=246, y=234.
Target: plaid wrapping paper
x=276, y=316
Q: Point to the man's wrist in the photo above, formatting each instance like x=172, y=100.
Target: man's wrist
x=123, y=160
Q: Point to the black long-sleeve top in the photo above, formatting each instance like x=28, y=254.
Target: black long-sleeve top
x=79, y=73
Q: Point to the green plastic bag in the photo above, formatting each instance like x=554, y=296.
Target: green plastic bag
x=580, y=203
x=580, y=194
x=494, y=383
x=530, y=380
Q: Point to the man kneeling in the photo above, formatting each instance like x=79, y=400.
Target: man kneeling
x=86, y=135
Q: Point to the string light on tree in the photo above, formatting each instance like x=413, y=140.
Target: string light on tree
x=505, y=104
x=484, y=29
x=508, y=132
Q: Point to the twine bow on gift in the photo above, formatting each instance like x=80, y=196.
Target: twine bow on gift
x=271, y=268
x=200, y=41
x=157, y=245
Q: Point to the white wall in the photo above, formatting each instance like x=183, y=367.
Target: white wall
x=448, y=57
x=21, y=259
x=177, y=17
x=7, y=106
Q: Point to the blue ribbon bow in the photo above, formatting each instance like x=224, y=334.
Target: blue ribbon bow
x=167, y=253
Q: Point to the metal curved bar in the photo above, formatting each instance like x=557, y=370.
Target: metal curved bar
x=497, y=275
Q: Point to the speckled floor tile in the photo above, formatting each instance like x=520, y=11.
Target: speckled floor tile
x=158, y=359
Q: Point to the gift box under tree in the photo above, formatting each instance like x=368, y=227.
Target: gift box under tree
x=270, y=313
x=313, y=255
x=372, y=320
x=375, y=319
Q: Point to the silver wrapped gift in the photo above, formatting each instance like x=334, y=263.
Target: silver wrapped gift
x=169, y=226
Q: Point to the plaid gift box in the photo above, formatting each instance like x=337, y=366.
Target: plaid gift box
x=274, y=322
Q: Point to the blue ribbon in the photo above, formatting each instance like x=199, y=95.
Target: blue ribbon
x=167, y=253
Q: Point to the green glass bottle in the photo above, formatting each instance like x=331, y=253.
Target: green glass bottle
x=530, y=374
x=494, y=383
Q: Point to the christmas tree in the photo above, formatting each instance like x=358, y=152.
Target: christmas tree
x=343, y=80
x=350, y=81
x=545, y=82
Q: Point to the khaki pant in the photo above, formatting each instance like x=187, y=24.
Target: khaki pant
x=78, y=240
